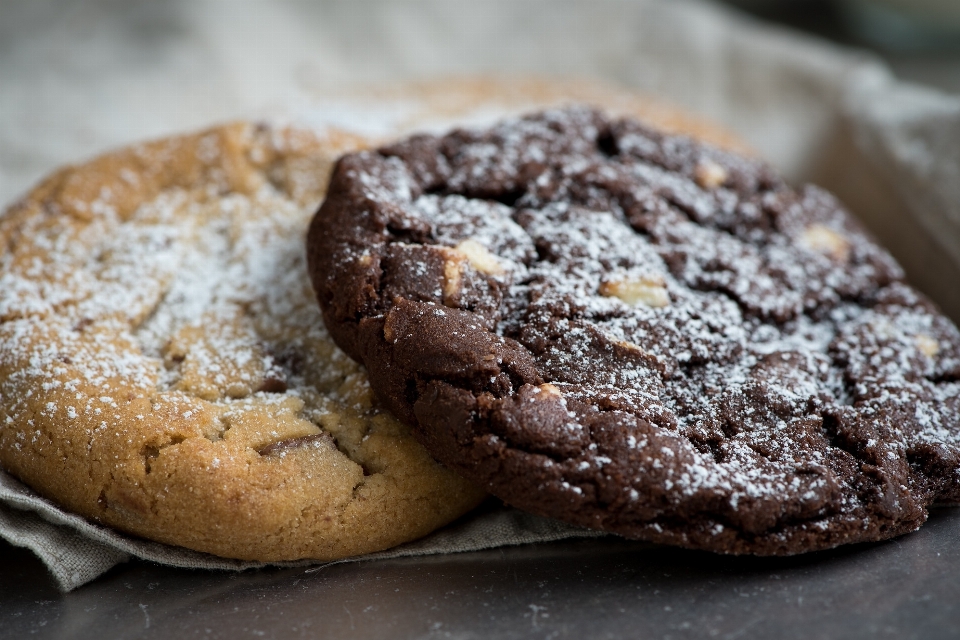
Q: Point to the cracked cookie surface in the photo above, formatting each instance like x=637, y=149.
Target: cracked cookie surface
x=164, y=368
x=640, y=333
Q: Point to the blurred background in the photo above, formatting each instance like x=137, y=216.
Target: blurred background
x=920, y=39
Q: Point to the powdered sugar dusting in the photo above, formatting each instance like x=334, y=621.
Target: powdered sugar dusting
x=189, y=296
x=740, y=351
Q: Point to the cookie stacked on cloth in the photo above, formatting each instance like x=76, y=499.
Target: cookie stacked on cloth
x=595, y=320
x=640, y=333
x=164, y=369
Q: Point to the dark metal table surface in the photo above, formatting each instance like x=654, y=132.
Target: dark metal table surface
x=597, y=588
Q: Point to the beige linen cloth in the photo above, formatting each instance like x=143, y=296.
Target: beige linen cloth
x=83, y=77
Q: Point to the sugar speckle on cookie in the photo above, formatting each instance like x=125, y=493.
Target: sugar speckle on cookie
x=727, y=344
x=158, y=334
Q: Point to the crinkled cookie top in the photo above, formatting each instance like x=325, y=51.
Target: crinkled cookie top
x=640, y=333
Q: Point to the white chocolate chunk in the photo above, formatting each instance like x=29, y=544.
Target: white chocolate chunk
x=710, y=175
x=365, y=260
x=651, y=292
x=452, y=275
x=823, y=239
x=629, y=346
x=927, y=346
x=480, y=257
x=550, y=390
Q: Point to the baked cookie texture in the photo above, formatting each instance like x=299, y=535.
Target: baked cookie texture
x=638, y=332
x=164, y=368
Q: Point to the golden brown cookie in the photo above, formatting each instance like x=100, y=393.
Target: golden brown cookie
x=164, y=369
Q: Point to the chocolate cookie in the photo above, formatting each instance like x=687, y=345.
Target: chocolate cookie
x=637, y=332
x=164, y=368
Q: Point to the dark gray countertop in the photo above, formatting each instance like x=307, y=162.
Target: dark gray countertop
x=600, y=588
